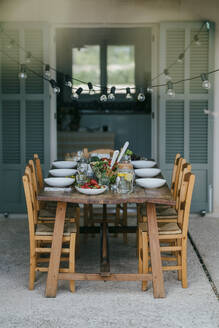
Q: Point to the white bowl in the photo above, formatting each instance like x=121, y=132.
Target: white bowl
x=59, y=182
x=62, y=172
x=91, y=191
x=147, y=173
x=64, y=164
x=143, y=164
x=150, y=183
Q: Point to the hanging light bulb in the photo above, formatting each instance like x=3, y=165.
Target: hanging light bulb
x=54, y=86
x=170, y=91
x=205, y=82
x=91, y=89
x=22, y=74
x=28, y=57
x=47, y=72
x=141, y=96
x=11, y=44
x=111, y=96
x=103, y=98
x=128, y=94
x=196, y=40
x=68, y=81
x=149, y=89
x=75, y=95
x=167, y=76
x=208, y=25
x=180, y=58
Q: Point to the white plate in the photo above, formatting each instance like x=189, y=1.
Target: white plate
x=59, y=182
x=64, y=164
x=147, y=173
x=150, y=183
x=62, y=172
x=143, y=164
x=91, y=191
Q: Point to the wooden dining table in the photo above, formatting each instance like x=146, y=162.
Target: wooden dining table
x=147, y=197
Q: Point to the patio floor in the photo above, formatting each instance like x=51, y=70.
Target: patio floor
x=110, y=304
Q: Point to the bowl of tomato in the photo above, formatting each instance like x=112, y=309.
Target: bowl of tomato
x=91, y=188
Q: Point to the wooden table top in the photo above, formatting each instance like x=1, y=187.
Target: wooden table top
x=139, y=195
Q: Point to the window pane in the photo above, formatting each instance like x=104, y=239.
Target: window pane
x=121, y=66
x=86, y=65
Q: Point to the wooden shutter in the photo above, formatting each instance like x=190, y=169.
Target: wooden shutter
x=184, y=126
x=24, y=110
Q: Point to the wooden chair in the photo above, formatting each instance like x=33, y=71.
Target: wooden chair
x=47, y=212
x=40, y=236
x=174, y=234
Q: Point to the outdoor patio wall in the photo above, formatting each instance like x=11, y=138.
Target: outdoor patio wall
x=109, y=12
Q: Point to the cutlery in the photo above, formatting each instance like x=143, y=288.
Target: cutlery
x=115, y=155
x=123, y=150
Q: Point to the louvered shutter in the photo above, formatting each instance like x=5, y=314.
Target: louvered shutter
x=24, y=110
x=184, y=126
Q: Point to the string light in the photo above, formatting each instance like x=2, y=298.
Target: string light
x=47, y=72
x=170, y=91
x=166, y=74
x=75, y=95
x=128, y=94
x=22, y=74
x=205, y=82
x=54, y=86
x=149, y=89
x=111, y=96
x=196, y=40
x=91, y=88
x=180, y=58
x=68, y=81
x=141, y=96
x=28, y=57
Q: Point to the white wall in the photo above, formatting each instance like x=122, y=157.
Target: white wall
x=123, y=12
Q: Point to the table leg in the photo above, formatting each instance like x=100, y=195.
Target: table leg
x=54, y=262
x=157, y=274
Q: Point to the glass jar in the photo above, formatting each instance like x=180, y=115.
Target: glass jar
x=125, y=178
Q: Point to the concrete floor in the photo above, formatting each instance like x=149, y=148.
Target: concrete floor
x=110, y=304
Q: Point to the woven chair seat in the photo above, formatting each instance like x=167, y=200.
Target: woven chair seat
x=165, y=228
x=46, y=213
x=46, y=229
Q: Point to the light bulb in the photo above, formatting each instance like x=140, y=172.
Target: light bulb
x=196, y=39
x=170, y=91
x=28, y=57
x=208, y=25
x=141, y=96
x=128, y=94
x=205, y=82
x=103, y=98
x=167, y=76
x=47, y=72
x=68, y=81
x=149, y=89
x=22, y=74
x=76, y=95
x=54, y=86
x=111, y=96
x=180, y=58
x=91, y=89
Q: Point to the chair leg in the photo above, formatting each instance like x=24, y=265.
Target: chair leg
x=179, y=258
x=184, y=263
x=85, y=220
x=140, y=264
x=137, y=231
x=78, y=229
x=124, y=223
x=72, y=260
x=144, y=257
x=32, y=274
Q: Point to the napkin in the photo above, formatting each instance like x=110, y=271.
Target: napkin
x=57, y=189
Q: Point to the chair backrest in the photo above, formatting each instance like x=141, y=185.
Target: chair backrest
x=39, y=172
x=34, y=181
x=178, y=170
x=185, y=168
x=185, y=201
x=175, y=166
x=31, y=210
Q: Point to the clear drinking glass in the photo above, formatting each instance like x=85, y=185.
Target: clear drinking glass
x=124, y=181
